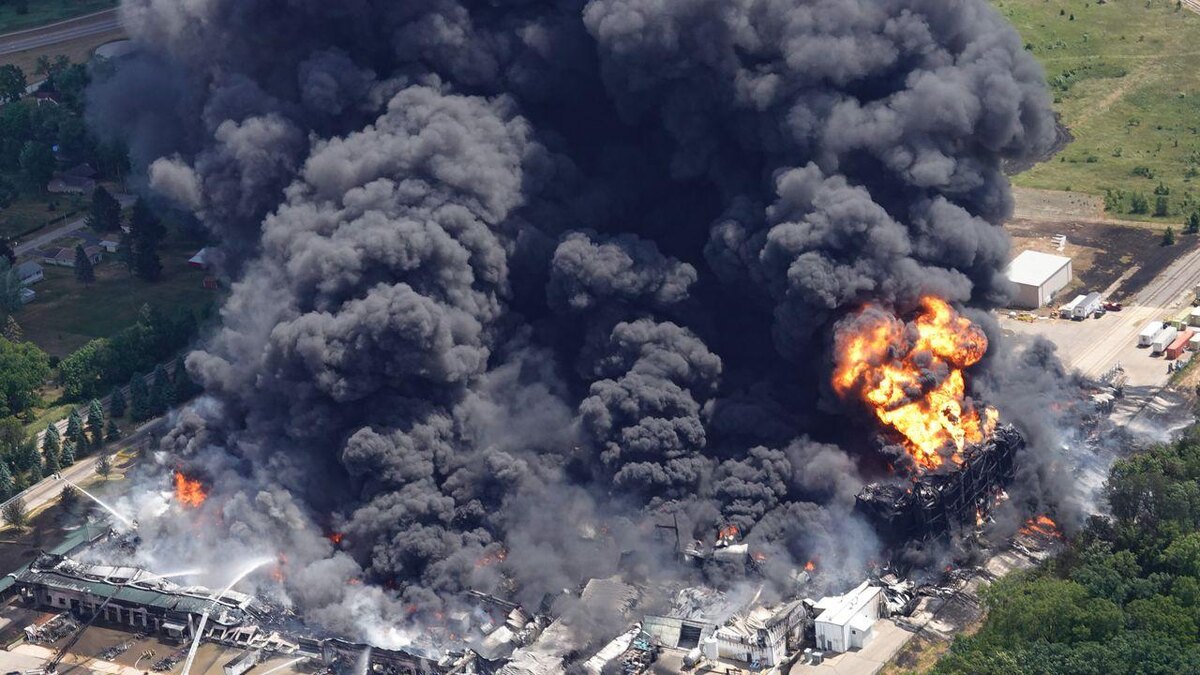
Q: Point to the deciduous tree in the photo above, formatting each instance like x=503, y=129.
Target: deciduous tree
x=37, y=165
x=12, y=83
x=15, y=513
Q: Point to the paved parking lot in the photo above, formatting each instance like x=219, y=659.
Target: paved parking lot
x=1093, y=346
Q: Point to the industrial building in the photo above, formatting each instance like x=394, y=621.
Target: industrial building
x=846, y=621
x=762, y=635
x=1037, y=277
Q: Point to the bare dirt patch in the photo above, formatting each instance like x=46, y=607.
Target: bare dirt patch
x=1101, y=253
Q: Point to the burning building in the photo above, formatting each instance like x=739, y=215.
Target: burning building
x=911, y=376
x=934, y=504
x=138, y=599
x=498, y=268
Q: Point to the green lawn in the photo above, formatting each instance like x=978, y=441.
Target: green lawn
x=31, y=211
x=67, y=314
x=1125, y=79
x=42, y=12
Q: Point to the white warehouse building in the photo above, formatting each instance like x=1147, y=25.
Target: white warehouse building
x=1038, y=276
x=847, y=621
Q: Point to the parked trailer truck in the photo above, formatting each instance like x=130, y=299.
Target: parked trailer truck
x=1179, y=344
x=1146, y=337
x=1162, y=340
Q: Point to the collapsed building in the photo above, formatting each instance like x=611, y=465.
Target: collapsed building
x=934, y=504
x=144, y=602
x=707, y=623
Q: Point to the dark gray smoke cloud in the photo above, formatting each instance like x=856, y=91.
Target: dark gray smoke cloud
x=525, y=276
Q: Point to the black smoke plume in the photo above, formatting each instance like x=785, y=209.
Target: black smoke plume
x=525, y=276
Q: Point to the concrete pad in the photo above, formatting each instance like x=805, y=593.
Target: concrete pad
x=889, y=639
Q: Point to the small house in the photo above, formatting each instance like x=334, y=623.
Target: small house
x=27, y=295
x=109, y=245
x=62, y=183
x=29, y=272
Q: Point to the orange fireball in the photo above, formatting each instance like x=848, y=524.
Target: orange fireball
x=189, y=491
x=911, y=376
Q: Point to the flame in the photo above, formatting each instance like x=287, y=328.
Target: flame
x=277, y=572
x=336, y=537
x=978, y=518
x=758, y=556
x=189, y=491
x=727, y=532
x=1041, y=525
x=911, y=376
x=492, y=558
x=810, y=566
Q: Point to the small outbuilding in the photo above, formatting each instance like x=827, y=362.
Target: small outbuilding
x=200, y=260
x=1037, y=277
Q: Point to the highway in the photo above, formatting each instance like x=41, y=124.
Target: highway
x=64, y=31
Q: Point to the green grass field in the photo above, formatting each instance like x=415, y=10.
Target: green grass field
x=66, y=314
x=1124, y=78
x=31, y=211
x=42, y=12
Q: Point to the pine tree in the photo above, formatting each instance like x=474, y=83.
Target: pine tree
x=145, y=233
x=116, y=403
x=185, y=387
x=28, y=457
x=12, y=330
x=35, y=472
x=105, y=214
x=50, y=464
x=139, y=408
x=95, y=423
x=51, y=442
x=74, y=427
x=68, y=454
x=161, y=392
x=6, y=482
x=84, y=272
x=1168, y=236
x=1193, y=223
x=113, y=433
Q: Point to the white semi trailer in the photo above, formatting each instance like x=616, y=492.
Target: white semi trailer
x=1163, y=340
x=1146, y=337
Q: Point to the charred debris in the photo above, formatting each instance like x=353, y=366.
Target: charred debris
x=934, y=504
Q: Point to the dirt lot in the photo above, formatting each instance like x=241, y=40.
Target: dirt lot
x=1102, y=252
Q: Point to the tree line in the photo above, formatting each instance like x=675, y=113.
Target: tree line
x=1124, y=597
x=105, y=362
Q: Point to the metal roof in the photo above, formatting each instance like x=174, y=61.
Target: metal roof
x=840, y=610
x=1034, y=268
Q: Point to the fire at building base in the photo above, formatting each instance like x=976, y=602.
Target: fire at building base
x=934, y=504
x=667, y=626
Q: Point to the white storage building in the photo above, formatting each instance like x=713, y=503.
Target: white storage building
x=1038, y=276
x=847, y=621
